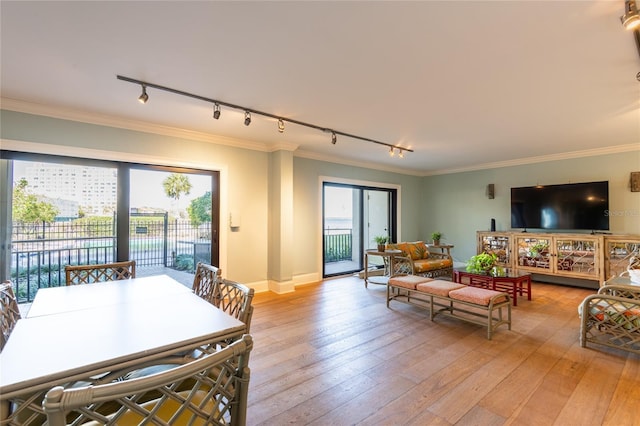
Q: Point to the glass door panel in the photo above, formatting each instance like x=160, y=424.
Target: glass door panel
x=62, y=214
x=170, y=221
x=352, y=216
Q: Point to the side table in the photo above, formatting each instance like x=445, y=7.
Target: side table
x=387, y=258
x=442, y=247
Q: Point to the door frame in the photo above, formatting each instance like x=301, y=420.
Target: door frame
x=395, y=213
x=87, y=157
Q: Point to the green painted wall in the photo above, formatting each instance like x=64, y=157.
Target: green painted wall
x=457, y=205
x=454, y=204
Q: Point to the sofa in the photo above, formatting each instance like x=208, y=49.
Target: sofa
x=417, y=259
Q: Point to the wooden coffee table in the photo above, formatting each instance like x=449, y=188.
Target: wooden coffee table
x=514, y=283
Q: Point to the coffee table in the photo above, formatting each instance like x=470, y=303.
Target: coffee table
x=514, y=283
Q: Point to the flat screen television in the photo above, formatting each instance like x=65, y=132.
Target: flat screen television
x=576, y=206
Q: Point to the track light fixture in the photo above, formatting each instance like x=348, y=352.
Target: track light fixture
x=630, y=20
x=248, y=111
x=143, y=98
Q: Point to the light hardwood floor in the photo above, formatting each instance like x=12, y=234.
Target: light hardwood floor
x=333, y=354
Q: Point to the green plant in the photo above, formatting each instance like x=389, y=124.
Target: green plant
x=436, y=235
x=482, y=262
x=380, y=239
x=184, y=262
x=538, y=248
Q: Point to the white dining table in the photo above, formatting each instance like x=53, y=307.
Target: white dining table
x=80, y=331
x=56, y=300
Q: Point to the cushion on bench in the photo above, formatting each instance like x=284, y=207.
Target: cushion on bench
x=408, y=281
x=439, y=287
x=479, y=296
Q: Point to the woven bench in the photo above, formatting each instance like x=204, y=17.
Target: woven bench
x=472, y=304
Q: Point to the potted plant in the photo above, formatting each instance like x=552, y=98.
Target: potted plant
x=380, y=240
x=435, y=236
x=482, y=263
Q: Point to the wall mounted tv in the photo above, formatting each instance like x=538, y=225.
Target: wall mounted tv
x=575, y=206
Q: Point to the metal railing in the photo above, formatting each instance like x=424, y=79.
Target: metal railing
x=338, y=245
x=40, y=251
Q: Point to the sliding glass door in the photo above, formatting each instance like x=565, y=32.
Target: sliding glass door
x=170, y=218
x=352, y=216
x=69, y=211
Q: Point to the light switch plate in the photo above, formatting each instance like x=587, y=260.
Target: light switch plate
x=635, y=182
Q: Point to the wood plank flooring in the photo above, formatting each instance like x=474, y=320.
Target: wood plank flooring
x=333, y=354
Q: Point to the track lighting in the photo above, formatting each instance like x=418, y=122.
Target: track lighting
x=248, y=111
x=143, y=98
x=400, y=153
x=630, y=20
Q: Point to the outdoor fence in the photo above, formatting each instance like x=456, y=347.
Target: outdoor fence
x=40, y=251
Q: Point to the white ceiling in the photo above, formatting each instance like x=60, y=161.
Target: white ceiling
x=466, y=84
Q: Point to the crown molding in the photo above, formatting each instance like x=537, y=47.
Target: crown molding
x=362, y=164
x=541, y=159
x=123, y=123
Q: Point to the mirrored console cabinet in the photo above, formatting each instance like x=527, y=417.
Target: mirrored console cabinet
x=583, y=256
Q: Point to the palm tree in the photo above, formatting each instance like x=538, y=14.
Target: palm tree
x=175, y=185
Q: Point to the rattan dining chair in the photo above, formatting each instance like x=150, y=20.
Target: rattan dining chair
x=211, y=390
x=205, y=280
x=87, y=274
x=235, y=299
x=9, y=312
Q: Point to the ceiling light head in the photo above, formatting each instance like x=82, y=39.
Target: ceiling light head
x=334, y=138
x=281, y=125
x=392, y=152
x=630, y=20
x=216, y=110
x=143, y=98
x=247, y=118
x=401, y=153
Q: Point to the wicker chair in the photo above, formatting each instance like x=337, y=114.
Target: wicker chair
x=211, y=390
x=205, y=280
x=9, y=312
x=235, y=299
x=612, y=317
x=87, y=274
